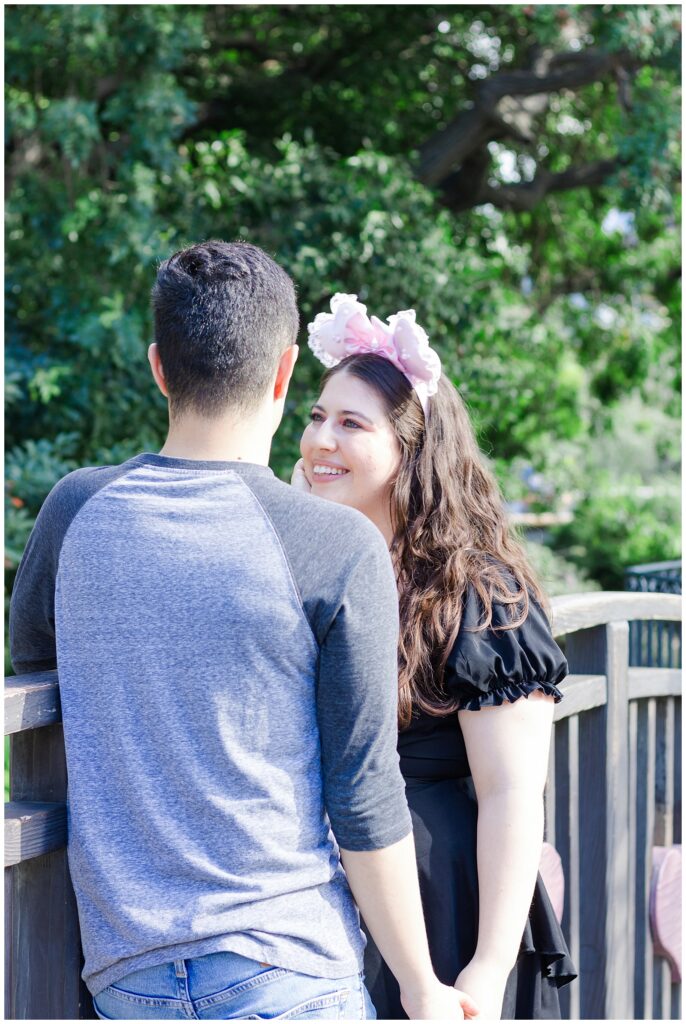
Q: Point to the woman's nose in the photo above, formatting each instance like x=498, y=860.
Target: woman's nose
x=326, y=438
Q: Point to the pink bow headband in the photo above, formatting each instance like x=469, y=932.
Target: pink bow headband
x=348, y=331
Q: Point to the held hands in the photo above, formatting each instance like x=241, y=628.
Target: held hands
x=487, y=987
x=440, y=1002
x=298, y=479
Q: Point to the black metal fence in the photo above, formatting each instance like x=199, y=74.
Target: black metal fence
x=655, y=644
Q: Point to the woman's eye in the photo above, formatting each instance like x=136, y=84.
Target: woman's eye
x=352, y=423
x=316, y=417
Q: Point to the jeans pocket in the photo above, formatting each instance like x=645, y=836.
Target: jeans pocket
x=119, y=1004
x=324, y=1007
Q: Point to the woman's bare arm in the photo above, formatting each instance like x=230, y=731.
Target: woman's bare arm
x=507, y=747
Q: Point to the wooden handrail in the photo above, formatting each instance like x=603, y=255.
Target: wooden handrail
x=654, y=682
x=33, y=829
x=573, y=612
x=581, y=693
x=31, y=701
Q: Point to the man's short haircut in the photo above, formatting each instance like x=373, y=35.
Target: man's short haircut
x=224, y=313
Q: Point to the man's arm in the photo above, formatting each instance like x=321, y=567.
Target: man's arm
x=386, y=889
x=364, y=791
x=32, y=607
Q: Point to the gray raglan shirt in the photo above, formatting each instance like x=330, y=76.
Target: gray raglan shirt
x=226, y=649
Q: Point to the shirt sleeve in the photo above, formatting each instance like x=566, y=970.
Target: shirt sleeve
x=32, y=606
x=357, y=706
x=487, y=667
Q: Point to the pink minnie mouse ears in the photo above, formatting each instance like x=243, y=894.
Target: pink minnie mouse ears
x=348, y=331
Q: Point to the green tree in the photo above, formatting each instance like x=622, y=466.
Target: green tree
x=511, y=172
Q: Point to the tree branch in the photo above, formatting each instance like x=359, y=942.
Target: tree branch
x=493, y=103
x=525, y=197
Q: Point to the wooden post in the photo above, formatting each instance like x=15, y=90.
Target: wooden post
x=644, y=845
x=42, y=944
x=567, y=845
x=677, y=773
x=664, y=832
x=664, y=773
x=606, y=952
x=635, y=924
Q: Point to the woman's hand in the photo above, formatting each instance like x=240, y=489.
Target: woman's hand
x=486, y=986
x=299, y=479
x=439, y=1002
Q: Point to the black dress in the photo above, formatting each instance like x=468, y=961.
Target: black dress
x=484, y=668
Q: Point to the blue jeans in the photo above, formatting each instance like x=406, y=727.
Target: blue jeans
x=224, y=986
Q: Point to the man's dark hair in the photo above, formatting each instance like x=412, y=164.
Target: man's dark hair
x=224, y=313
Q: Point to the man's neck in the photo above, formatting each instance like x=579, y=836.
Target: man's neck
x=218, y=440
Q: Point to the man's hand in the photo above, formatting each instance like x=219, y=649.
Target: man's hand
x=486, y=985
x=299, y=479
x=440, y=1002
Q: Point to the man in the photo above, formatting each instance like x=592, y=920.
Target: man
x=227, y=661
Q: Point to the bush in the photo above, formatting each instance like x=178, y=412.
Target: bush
x=615, y=527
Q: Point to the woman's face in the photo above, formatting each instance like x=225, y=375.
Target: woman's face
x=350, y=452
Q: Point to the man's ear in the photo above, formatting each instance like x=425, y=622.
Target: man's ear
x=156, y=367
x=285, y=372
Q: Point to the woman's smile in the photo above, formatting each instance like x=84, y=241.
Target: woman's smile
x=326, y=472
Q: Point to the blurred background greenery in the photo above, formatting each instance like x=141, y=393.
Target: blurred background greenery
x=511, y=172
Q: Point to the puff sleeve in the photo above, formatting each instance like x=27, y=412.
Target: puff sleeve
x=494, y=665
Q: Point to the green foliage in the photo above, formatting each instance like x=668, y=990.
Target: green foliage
x=132, y=131
x=613, y=529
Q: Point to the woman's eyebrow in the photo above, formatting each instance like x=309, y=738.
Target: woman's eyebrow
x=353, y=412
x=346, y=412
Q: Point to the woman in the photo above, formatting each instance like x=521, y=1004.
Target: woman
x=390, y=436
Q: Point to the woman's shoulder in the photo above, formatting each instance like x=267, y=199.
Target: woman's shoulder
x=502, y=662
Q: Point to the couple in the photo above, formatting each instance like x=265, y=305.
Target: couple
x=229, y=651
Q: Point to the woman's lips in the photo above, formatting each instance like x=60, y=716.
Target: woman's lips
x=337, y=473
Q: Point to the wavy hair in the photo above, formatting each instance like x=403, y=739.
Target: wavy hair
x=450, y=531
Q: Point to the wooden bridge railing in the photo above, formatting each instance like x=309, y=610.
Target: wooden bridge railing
x=613, y=794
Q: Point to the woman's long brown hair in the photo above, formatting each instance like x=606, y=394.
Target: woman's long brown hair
x=450, y=531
